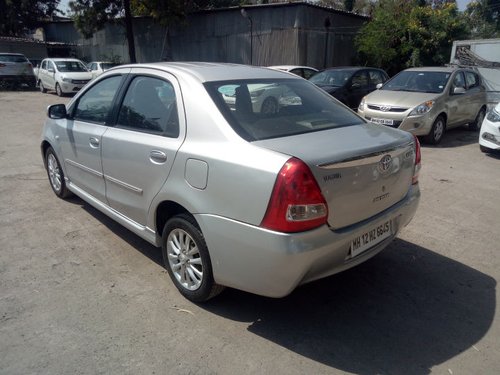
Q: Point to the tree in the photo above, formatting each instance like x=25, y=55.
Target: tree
x=484, y=18
x=91, y=16
x=403, y=34
x=18, y=17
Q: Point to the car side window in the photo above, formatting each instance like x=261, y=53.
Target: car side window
x=459, y=80
x=95, y=104
x=92, y=66
x=44, y=64
x=150, y=105
x=359, y=79
x=472, y=79
x=376, y=77
x=308, y=73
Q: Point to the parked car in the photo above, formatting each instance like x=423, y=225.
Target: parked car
x=302, y=71
x=99, y=67
x=64, y=75
x=15, y=70
x=489, y=137
x=349, y=84
x=428, y=101
x=234, y=197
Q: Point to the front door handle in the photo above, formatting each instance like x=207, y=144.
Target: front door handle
x=94, y=142
x=158, y=157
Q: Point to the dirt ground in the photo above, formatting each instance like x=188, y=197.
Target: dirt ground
x=79, y=294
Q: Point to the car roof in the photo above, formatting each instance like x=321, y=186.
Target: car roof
x=11, y=53
x=447, y=69
x=290, y=67
x=62, y=59
x=207, y=72
x=351, y=68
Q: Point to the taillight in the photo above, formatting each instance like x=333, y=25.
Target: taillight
x=417, y=161
x=296, y=202
x=2, y=65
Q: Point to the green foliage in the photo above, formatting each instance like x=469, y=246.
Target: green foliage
x=484, y=18
x=17, y=17
x=404, y=34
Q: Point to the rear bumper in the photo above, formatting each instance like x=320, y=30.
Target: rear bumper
x=20, y=79
x=272, y=264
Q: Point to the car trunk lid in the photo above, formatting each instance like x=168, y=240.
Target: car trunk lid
x=361, y=170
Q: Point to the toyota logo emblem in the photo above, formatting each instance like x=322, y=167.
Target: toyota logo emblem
x=385, y=163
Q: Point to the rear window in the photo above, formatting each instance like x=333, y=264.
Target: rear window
x=13, y=58
x=263, y=109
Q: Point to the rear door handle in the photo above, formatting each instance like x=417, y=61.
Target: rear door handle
x=94, y=142
x=158, y=157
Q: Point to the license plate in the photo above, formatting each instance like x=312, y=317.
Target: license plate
x=370, y=238
x=382, y=121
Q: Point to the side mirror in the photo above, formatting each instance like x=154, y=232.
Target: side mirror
x=458, y=91
x=379, y=85
x=57, y=111
x=50, y=70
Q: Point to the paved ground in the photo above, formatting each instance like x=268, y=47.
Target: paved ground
x=81, y=295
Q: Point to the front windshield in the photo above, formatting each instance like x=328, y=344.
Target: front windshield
x=263, y=109
x=418, y=81
x=336, y=78
x=70, y=66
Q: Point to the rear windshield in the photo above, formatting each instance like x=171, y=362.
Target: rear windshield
x=336, y=78
x=263, y=109
x=70, y=66
x=418, y=81
x=13, y=58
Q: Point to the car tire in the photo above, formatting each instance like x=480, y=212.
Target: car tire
x=476, y=125
x=437, y=131
x=43, y=90
x=484, y=149
x=269, y=106
x=56, y=174
x=186, y=258
x=59, y=92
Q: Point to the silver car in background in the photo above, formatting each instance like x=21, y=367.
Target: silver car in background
x=428, y=101
x=261, y=202
x=15, y=71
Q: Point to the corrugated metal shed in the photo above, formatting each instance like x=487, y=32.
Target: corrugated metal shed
x=271, y=34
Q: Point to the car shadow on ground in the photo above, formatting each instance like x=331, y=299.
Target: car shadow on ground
x=406, y=310
x=456, y=137
x=131, y=238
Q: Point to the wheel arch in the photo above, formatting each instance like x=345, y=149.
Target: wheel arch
x=43, y=148
x=166, y=210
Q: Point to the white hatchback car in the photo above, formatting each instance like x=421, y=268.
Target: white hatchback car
x=64, y=76
x=489, y=137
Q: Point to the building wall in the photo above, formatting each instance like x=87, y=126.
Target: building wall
x=278, y=34
x=30, y=50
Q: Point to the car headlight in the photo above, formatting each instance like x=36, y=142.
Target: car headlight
x=493, y=116
x=422, y=108
x=65, y=79
x=361, y=105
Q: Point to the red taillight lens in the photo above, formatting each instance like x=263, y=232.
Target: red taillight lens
x=417, y=161
x=296, y=202
x=2, y=65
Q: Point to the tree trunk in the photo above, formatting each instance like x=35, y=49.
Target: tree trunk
x=130, y=31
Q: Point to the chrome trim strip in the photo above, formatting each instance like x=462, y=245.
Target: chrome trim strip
x=124, y=184
x=84, y=168
x=374, y=157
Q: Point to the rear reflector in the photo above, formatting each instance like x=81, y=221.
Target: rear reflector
x=418, y=158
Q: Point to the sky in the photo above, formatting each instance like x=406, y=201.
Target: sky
x=63, y=5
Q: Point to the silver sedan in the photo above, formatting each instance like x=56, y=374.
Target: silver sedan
x=235, y=197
